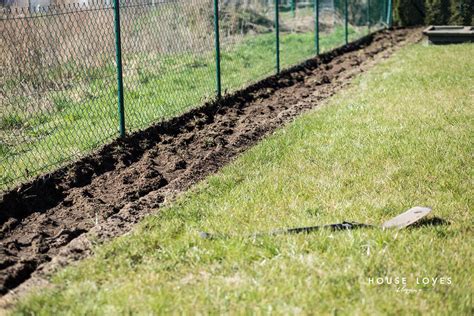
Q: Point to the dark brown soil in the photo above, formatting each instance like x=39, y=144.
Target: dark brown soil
x=49, y=222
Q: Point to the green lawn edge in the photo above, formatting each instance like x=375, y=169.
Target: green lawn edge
x=400, y=136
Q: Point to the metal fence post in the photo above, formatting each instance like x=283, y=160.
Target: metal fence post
x=293, y=8
x=368, y=16
x=118, y=58
x=277, y=33
x=316, y=26
x=389, y=13
x=346, y=18
x=218, y=48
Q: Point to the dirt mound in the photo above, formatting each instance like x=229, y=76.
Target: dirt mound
x=48, y=223
x=239, y=21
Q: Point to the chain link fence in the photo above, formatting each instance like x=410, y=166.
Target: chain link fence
x=76, y=75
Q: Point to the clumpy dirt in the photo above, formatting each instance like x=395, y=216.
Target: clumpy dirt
x=51, y=221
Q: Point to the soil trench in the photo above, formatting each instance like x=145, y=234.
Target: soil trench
x=50, y=221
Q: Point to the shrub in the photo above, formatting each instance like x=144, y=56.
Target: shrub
x=409, y=12
x=438, y=12
x=462, y=12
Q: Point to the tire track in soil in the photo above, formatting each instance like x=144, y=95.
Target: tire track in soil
x=49, y=222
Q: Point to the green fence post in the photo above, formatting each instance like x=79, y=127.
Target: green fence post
x=346, y=18
x=368, y=16
x=118, y=58
x=389, y=13
x=316, y=26
x=293, y=8
x=217, y=48
x=277, y=34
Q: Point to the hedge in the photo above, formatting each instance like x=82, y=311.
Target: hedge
x=433, y=12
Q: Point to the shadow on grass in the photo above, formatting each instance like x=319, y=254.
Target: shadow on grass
x=433, y=221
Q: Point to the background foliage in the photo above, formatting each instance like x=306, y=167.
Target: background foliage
x=419, y=12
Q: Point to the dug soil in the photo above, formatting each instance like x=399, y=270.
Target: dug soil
x=51, y=221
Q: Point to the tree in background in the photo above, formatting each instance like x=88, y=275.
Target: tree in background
x=437, y=12
x=409, y=12
x=462, y=12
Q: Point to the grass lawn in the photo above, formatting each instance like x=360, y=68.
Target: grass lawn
x=41, y=131
x=401, y=136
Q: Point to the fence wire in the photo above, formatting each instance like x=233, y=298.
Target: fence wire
x=58, y=68
x=247, y=36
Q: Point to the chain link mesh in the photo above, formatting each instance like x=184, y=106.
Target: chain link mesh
x=58, y=96
x=247, y=41
x=168, y=58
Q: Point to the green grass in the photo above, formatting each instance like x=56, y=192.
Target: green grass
x=401, y=136
x=40, y=132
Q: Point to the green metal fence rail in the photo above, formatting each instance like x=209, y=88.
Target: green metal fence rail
x=76, y=76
